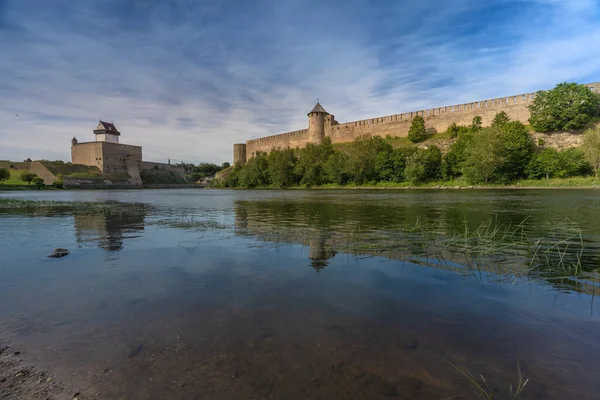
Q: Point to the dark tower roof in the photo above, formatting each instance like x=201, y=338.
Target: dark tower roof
x=318, y=108
x=106, y=127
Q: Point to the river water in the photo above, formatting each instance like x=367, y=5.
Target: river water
x=208, y=294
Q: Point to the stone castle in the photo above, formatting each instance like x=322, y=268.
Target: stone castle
x=321, y=124
x=114, y=158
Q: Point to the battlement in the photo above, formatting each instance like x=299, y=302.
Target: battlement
x=397, y=125
x=279, y=136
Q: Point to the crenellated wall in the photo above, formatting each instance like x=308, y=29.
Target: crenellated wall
x=437, y=119
x=289, y=139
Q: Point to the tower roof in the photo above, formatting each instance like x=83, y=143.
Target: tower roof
x=318, y=108
x=106, y=127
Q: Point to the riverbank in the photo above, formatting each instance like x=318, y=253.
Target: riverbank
x=19, y=380
x=565, y=183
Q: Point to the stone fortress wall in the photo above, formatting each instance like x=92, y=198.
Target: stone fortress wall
x=397, y=125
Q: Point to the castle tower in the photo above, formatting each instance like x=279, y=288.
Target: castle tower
x=107, y=132
x=316, y=124
x=239, y=154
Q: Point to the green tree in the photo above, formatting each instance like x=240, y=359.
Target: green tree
x=545, y=164
x=28, y=177
x=423, y=165
x=4, y=174
x=196, y=176
x=477, y=124
x=362, y=155
x=417, y=130
x=281, y=167
x=517, y=147
x=336, y=168
x=500, y=119
x=572, y=162
x=567, y=107
x=484, y=157
x=225, y=165
x=311, y=161
x=456, y=156
x=591, y=148
x=233, y=179
x=256, y=172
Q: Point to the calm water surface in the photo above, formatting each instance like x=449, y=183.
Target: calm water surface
x=202, y=294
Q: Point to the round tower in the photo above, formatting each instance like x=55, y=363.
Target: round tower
x=239, y=154
x=316, y=124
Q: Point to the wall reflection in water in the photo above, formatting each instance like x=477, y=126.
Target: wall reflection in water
x=109, y=231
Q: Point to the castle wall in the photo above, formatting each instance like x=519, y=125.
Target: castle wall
x=115, y=157
x=290, y=139
x=87, y=154
x=437, y=119
x=110, y=158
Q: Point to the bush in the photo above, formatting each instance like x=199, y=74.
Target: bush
x=417, y=131
x=58, y=184
x=39, y=182
x=4, y=174
x=591, y=148
x=550, y=163
x=567, y=107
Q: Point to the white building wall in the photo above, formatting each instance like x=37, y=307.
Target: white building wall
x=103, y=137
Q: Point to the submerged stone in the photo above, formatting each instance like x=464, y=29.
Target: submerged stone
x=57, y=253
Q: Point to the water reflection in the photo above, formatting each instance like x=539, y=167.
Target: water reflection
x=109, y=231
x=505, y=245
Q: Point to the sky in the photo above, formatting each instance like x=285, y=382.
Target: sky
x=187, y=79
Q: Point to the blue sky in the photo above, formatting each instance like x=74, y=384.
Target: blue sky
x=186, y=79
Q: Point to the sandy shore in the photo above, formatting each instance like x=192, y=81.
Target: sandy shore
x=20, y=381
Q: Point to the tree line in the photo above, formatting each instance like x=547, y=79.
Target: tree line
x=501, y=153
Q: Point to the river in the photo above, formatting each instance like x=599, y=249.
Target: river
x=345, y=294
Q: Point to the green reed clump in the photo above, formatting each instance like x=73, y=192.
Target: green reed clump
x=484, y=389
x=51, y=207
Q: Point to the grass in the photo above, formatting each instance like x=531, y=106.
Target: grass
x=45, y=207
x=482, y=386
x=15, y=178
x=576, y=182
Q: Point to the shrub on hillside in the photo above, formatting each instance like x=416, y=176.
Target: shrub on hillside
x=4, y=174
x=417, y=131
x=567, y=107
x=591, y=149
x=38, y=182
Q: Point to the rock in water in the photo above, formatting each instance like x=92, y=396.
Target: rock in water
x=57, y=253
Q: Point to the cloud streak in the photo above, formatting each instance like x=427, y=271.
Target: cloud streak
x=187, y=80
